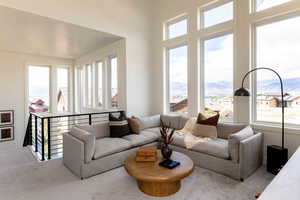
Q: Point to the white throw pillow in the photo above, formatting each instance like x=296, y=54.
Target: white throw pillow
x=201, y=130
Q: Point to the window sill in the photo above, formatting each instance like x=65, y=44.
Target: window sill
x=275, y=128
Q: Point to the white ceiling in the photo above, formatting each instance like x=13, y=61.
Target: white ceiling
x=28, y=33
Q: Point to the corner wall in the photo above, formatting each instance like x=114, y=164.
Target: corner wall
x=129, y=19
x=12, y=88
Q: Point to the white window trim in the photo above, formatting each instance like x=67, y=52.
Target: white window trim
x=253, y=114
x=69, y=85
x=210, y=6
x=253, y=6
x=202, y=71
x=97, y=84
x=109, y=81
x=167, y=73
x=52, y=84
x=174, y=21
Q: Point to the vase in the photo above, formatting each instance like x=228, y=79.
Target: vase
x=166, y=151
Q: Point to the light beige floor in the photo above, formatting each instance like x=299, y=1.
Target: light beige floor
x=21, y=177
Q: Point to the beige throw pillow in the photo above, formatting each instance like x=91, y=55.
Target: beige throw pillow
x=201, y=130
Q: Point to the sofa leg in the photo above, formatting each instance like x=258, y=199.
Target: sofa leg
x=81, y=178
x=241, y=179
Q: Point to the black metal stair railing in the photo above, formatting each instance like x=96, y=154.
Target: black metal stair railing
x=45, y=131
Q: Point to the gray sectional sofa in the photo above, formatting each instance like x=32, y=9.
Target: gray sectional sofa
x=88, y=150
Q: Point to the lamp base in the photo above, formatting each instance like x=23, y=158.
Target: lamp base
x=277, y=157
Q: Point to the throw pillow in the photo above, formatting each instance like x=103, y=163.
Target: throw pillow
x=134, y=125
x=208, y=131
x=118, y=125
x=235, y=139
x=212, y=121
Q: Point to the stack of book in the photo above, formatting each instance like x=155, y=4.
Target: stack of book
x=146, y=154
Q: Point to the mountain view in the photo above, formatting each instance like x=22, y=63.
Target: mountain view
x=224, y=88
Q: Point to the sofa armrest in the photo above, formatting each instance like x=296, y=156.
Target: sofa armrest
x=251, y=152
x=88, y=140
x=73, y=153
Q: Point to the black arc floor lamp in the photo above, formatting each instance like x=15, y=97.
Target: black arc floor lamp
x=276, y=155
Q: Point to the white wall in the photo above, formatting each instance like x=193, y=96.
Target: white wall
x=126, y=18
x=12, y=87
x=168, y=9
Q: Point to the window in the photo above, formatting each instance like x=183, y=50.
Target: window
x=177, y=75
x=89, y=85
x=114, y=82
x=277, y=46
x=218, y=76
x=100, y=83
x=83, y=85
x=39, y=88
x=264, y=4
x=176, y=28
x=218, y=15
x=62, y=89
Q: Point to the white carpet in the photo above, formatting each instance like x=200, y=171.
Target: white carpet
x=28, y=179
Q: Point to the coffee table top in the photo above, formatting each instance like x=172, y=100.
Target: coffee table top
x=151, y=171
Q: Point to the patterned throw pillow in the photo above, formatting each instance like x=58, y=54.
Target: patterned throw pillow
x=118, y=125
x=212, y=121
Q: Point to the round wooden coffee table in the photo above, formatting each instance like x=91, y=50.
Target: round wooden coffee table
x=158, y=181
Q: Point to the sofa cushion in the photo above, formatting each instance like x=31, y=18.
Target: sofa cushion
x=235, y=139
x=178, y=140
x=89, y=142
x=226, y=129
x=155, y=130
x=149, y=122
x=98, y=130
x=172, y=121
x=201, y=130
x=108, y=146
x=144, y=137
x=215, y=147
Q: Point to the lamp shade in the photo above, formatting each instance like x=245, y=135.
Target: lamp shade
x=242, y=92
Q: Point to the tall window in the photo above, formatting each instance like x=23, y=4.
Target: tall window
x=39, y=88
x=100, y=83
x=277, y=46
x=217, y=15
x=114, y=82
x=83, y=86
x=264, y=4
x=62, y=89
x=89, y=85
x=177, y=75
x=218, y=75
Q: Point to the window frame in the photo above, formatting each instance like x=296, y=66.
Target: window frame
x=69, y=85
x=211, y=6
x=201, y=52
x=253, y=6
x=253, y=76
x=52, y=84
x=103, y=80
x=174, y=21
x=109, y=82
x=167, y=75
